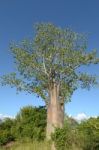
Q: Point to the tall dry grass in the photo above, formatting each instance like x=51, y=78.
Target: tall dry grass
x=32, y=146
x=28, y=146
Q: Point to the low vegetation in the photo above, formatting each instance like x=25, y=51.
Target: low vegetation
x=35, y=145
x=27, y=132
x=83, y=136
x=29, y=124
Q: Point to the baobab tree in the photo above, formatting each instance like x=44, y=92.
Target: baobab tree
x=48, y=65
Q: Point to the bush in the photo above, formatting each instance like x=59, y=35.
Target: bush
x=31, y=123
x=67, y=137
x=90, y=131
x=5, y=132
x=84, y=135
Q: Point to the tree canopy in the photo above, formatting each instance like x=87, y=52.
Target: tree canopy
x=54, y=55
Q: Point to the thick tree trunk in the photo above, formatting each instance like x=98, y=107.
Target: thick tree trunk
x=55, y=112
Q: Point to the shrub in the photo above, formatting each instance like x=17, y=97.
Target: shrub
x=31, y=123
x=90, y=131
x=5, y=132
x=65, y=138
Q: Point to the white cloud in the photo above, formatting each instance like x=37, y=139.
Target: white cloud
x=2, y=117
x=81, y=116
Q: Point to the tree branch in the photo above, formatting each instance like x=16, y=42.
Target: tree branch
x=45, y=70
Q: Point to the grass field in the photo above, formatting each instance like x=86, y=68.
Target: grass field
x=28, y=146
x=31, y=146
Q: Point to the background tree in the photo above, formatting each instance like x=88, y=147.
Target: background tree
x=6, y=134
x=30, y=123
x=89, y=130
x=48, y=66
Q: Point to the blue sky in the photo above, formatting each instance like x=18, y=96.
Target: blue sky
x=17, y=18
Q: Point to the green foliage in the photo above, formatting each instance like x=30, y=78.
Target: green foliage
x=90, y=131
x=61, y=139
x=6, y=134
x=83, y=136
x=67, y=137
x=30, y=123
x=53, y=56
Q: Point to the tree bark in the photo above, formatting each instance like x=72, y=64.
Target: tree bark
x=55, y=112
